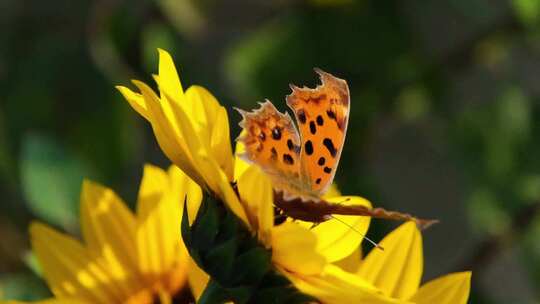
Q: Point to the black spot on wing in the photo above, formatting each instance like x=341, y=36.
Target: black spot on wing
x=290, y=144
x=308, y=146
x=276, y=133
x=327, y=170
x=302, y=116
x=318, y=181
x=312, y=127
x=331, y=114
x=274, y=153
x=287, y=158
x=321, y=161
x=320, y=120
x=327, y=142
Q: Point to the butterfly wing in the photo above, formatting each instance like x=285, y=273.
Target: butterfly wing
x=322, y=115
x=272, y=142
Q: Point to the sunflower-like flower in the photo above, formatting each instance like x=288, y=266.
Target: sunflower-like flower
x=125, y=257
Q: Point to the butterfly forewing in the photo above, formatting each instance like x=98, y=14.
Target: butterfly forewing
x=322, y=116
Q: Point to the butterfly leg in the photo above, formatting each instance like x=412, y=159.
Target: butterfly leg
x=279, y=216
x=313, y=225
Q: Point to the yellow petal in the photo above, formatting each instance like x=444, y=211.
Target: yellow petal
x=221, y=143
x=107, y=223
x=335, y=286
x=240, y=165
x=194, y=197
x=159, y=216
x=167, y=134
x=201, y=108
x=135, y=100
x=68, y=269
x=197, y=278
x=183, y=186
x=351, y=263
x=169, y=75
x=199, y=148
x=398, y=269
x=293, y=248
x=182, y=189
x=205, y=105
x=224, y=189
x=154, y=254
x=450, y=289
x=256, y=192
x=336, y=239
x=108, y=228
x=154, y=183
x=179, y=114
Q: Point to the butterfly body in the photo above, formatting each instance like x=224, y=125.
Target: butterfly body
x=320, y=210
x=301, y=160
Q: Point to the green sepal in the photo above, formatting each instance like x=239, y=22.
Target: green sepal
x=240, y=268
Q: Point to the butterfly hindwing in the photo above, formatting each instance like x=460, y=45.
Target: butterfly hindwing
x=272, y=142
x=322, y=116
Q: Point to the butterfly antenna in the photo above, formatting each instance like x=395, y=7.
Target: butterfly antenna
x=363, y=235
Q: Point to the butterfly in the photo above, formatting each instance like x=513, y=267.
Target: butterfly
x=301, y=160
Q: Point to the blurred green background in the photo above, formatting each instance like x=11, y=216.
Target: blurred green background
x=445, y=112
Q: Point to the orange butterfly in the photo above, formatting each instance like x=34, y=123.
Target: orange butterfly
x=302, y=162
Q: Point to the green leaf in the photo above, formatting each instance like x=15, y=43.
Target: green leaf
x=213, y=293
x=205, y=227
x=22, y=286
x=51, y=179
x=220, y=259
x=252, y=265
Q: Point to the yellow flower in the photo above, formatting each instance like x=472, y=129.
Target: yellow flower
x=396, y=273
x=125, y=257
x=191, y=128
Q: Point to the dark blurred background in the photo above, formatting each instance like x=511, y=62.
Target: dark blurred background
x=445, y=112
